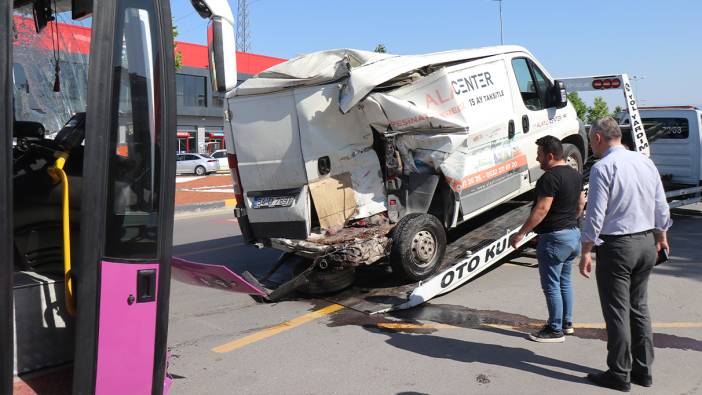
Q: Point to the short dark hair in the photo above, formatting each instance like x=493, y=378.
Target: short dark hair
x=551, y=145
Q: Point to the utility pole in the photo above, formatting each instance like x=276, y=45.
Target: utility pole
x=501, y=40
x=243, y=36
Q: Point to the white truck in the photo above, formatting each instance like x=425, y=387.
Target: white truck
x=676, y=142
x=351, y=158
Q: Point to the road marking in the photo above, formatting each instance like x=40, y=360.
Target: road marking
x=303, y=319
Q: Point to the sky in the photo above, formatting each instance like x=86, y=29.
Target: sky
x=659, y=42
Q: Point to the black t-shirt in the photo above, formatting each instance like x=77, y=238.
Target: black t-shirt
x=564, y=184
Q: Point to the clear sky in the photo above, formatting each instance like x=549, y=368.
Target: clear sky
x=657, y=40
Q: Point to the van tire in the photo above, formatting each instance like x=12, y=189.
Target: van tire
x=325, y=281
x=200, y=171
x=573, y=157
x=418, y=246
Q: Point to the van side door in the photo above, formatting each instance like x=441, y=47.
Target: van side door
x=537, y=116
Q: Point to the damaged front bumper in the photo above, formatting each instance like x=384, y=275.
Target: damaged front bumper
x=349, y=247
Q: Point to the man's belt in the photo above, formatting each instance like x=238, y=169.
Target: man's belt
x=614, y=237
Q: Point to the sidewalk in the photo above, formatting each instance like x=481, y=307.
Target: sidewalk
x=204, y=193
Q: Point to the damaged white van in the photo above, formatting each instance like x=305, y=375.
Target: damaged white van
x=353, y=158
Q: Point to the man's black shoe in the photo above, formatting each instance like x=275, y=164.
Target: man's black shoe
x=547, y=335
x=604, y=379
x=568, y=328
x=642, y=379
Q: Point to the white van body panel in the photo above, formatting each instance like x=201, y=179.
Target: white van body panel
x=674, y=154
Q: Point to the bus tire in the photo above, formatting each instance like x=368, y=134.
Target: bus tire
x=573, y=157
x=200, y=171
x=418, y=246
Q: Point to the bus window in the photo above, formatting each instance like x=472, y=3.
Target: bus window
x=135, y=163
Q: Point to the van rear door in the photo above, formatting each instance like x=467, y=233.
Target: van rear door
x=271, y=166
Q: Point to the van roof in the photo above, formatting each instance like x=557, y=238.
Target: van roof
x=363, y=70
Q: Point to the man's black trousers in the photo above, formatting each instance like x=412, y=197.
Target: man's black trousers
x=623, y=266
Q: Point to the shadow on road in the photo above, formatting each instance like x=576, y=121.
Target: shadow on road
x=491, y=354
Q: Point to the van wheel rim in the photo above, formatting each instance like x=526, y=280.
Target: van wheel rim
x=423, y=248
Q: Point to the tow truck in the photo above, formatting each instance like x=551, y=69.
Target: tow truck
x=476, y=247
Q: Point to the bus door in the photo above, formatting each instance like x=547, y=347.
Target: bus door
x=127, y=214
x=6, y=252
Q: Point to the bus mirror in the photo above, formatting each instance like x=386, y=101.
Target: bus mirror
x=222, y=54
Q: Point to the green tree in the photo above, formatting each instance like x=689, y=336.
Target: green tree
x=598, y=110
x=178, y=54
x=579, y=104
x=380, y=48
x=617, y=110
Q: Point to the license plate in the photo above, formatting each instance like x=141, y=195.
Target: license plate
x=273, y=201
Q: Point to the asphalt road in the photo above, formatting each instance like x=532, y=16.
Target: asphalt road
x=470, y=341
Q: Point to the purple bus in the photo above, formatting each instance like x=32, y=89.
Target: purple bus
x=86, y=207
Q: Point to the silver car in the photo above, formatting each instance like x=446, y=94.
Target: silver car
x=196, y=163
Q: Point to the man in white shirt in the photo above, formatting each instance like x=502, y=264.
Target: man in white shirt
x=626, y=220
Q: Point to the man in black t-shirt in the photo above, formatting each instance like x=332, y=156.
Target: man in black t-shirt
x=558, y=204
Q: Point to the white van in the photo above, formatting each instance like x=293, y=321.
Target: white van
x=349, y=157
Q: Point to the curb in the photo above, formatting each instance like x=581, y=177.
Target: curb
x=204, y=207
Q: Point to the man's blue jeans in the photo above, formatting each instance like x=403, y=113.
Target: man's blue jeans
x=556, y=252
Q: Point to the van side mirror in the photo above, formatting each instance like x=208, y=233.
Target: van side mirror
x=559, y=96
x=221, y=46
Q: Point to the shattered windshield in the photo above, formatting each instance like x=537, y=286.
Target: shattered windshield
x=50, y=69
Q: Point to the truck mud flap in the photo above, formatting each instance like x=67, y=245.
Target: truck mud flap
x=465, y=258
x=212, y=276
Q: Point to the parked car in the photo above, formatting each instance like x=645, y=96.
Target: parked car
x=199, y=164
x=221, y=156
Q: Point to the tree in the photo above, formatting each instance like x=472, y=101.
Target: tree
x=598, y=110
x=617, y=110
x=178, y=54
x=579, y=104
x=380, y=48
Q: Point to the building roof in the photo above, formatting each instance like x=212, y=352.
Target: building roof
x=76, y=39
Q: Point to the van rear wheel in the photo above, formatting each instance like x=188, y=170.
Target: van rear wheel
x=418, y=246
x=573, y=157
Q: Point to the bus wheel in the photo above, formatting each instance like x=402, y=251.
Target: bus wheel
x=200, y=171
x=324, y=281
x=418, y=246
x=573, y=157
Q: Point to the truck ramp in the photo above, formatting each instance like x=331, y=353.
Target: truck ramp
x=473, y=247
x=470, y=252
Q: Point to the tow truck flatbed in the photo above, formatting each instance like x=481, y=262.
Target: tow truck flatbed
x=481, y=246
